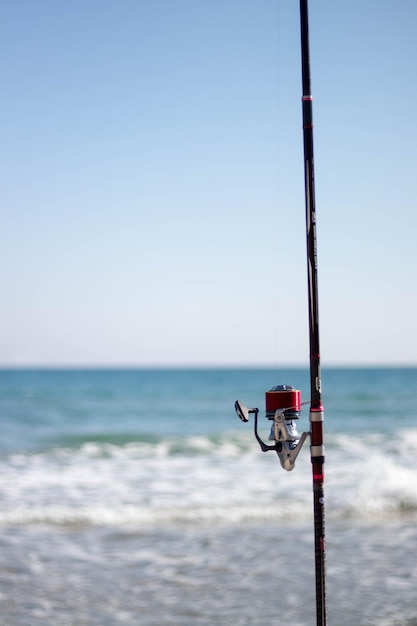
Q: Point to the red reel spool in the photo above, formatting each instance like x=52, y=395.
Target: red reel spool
x=282, y=397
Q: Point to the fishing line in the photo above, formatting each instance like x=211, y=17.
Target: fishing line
x=277, y=261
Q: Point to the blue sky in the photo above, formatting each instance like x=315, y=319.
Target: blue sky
x=152, y=182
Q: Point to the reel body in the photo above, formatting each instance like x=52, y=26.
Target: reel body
x=283, y=406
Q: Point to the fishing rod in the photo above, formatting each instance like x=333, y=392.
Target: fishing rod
x=316, y=406
x=283, y=402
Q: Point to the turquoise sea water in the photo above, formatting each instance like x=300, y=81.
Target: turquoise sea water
x=138, y=497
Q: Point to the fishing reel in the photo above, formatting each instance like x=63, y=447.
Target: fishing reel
x=283, y=406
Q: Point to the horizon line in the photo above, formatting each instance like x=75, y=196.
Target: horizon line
x=206, y=366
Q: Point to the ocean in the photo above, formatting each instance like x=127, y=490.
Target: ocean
x=136, y=496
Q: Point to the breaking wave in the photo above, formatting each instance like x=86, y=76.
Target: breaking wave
x=203, y=479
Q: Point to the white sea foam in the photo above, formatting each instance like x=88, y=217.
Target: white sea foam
x=224, y=479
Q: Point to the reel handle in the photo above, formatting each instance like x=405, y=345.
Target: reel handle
x=243, y=412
